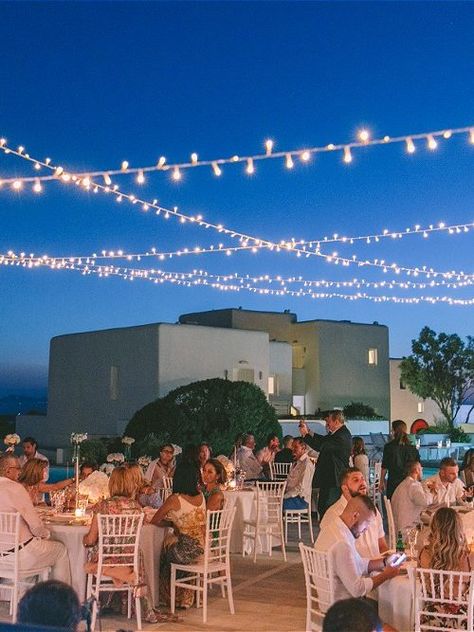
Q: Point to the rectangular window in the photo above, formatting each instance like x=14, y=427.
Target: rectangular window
x=421, y=407
x=402, y=386
x=246, y=375
x=114, y=383
x=373, y=357
x=273, y=385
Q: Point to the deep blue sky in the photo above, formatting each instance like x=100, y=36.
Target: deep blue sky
x=93, y=84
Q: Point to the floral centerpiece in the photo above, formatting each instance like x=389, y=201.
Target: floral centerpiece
x=128, y=441
x=95, y=486
x=113, y=459
x=11, y=440
x=144, y=462
x=228, y=466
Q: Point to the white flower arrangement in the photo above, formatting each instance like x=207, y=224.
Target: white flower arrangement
x=107, y=468
x=228, y=466
x=116, y=458
x=78, y=437
x=144, y=461
x=95, y=486
x=11, y=440
x=128, y=440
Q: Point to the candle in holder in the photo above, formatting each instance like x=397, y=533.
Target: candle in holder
x=79, y=512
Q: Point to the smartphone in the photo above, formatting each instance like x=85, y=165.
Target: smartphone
x=399, y=561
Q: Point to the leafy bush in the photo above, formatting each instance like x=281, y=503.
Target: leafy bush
x=457, y=435
x=358, y=410
x=93, y=450
x=209, y=410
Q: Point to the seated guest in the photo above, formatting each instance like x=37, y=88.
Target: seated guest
x=372, y=542
x=32, y=477
x=185, y=509
x=204, y=454
x=266, y=455
x=352, y=615
x=247, y=459
x=351, y=571
x=122, y=489
x=359, y=457
x=35, y=549
x=30, y=451
x=214, y=478
x=466, y=473
x=445, y=486
x=145, y=493
x=285, y=455
x=161, y=467
x=52, y=604
x=447, y=550
x=299, y=479
x=86, y=468
x=410, y=498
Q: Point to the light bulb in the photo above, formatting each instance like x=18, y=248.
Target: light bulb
x=217, y=170
x=250, y=168
x=176, y=174
x=58, y=171
x=194, y=158
x=364, y=135
x=447, y=134
x=410, y=146
x=347, y=155
x=37, y=166
x=124, y=165
x=161, y=162
x=305, y=156
x=107, y=179
x=140, y=177
x=17, y=184
x=268, y=146
x=432, y=143
x=37, y=188
x=3, y=142
x=289, y=162
x=471, y=135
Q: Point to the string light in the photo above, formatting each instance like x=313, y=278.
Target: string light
x=176, y=174
x=189, y=280
x=304, y=155
x=250, y=169
x=297, y=249
x=217, y=170
x=347, y=154
x=37, y=188
x=432, y=143
x=411, y=145
x=289, y=162
x=17, y=185
x=140, y=177
x=268, y=147
x=194, y=158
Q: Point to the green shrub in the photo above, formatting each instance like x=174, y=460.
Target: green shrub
x=93, y=450
x=457, y=435
x=213, y=410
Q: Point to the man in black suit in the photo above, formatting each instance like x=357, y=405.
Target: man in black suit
x=334, y=452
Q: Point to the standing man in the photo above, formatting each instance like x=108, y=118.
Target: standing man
x=30, y=451
x=334, y=452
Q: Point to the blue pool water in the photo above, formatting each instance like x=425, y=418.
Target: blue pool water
x=59, y=473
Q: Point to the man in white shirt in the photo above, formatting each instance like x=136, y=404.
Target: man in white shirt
x=247, y=459
x=300, y=476
x=372, y=542
x=445, y=486
x=410, y=498
x=30, y=451
x=351, y=571
x=35, y=549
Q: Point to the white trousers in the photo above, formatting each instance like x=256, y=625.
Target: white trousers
x=40, y=552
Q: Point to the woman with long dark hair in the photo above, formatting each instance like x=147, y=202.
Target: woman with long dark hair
x=396, y=454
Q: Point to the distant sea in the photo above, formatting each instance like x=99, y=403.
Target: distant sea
x=14, y=403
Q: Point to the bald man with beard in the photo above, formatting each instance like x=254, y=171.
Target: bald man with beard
x=351, y=571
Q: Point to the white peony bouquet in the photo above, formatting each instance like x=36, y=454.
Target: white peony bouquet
x=11, y=440
x=117, y=458
x=128, y=440
x=95, y=486
x=144, y=462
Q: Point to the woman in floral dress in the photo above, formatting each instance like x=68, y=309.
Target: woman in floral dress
x=447, y=550
x=122, y=489
x=185, y=511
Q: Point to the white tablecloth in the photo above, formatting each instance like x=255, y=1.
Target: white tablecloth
x=151, y=543
x=245, y=503
x=396, y=603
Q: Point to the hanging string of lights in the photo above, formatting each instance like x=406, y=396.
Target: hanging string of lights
x=292, y=246
x=189, y=280
x=215, y=164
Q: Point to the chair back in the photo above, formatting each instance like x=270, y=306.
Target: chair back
x=279, y=471
x=270, y=501
x=167, y=488
x=392, y=535
x=319, y=581
x=218, y=534
x=9, y=539
x=375, y=474
x=119, y=536
x=444, y=600
x=308, y=482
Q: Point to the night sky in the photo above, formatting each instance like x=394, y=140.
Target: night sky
x=92, y=84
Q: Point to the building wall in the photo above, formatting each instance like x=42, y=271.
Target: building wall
x=306, y=358
x=280, y=368
x=81, y=396
x=404, y=404
x=188, y=353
